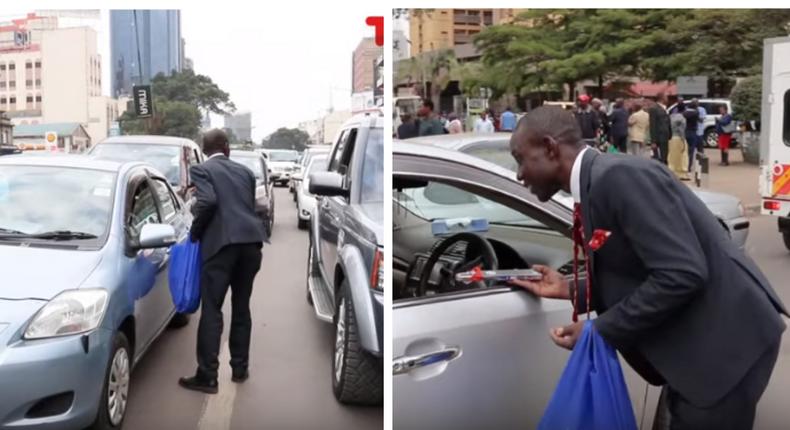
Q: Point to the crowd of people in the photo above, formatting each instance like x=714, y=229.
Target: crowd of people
x=427, y=122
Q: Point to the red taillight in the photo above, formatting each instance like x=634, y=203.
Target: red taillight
x=377, y=271
x=772, y=205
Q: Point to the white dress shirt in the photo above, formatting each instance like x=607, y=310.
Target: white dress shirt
x=576, y=173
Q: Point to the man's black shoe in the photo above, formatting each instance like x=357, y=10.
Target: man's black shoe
x=240, y=375
x=193, y=383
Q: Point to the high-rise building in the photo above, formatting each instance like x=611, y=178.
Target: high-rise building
x=143, y=43
x=435, y=29
x=362, y=62
x=400, y=45
x=52, y=75
x=240, y=124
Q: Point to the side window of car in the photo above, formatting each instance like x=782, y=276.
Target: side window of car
x=344, y=167
x=337, y=152
x=167, y=201
x=143, y=210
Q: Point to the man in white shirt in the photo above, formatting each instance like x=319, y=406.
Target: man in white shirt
x=483, y=124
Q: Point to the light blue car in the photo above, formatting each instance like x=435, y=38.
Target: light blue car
x=84, y=254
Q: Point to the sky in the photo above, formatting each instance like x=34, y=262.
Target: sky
x=286, y=66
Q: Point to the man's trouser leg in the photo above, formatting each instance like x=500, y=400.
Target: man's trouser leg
x=736, y=411
x=691, y=139
x=214, y=280
x=247, y=265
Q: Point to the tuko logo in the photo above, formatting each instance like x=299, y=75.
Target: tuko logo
x=377, y=22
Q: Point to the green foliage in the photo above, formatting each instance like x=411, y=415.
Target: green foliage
x=287, y=138
x=178, y=101
x=746, y=98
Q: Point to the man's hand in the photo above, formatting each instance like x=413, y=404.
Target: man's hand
x=567, y=336
x=552, y=286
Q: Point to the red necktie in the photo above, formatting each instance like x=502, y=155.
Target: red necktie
x=578, y=242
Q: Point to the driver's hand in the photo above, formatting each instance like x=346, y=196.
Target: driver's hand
x=552, y=286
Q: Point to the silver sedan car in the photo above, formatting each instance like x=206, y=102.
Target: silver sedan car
x=496, y=149
x=84, y=246
x=476, y=355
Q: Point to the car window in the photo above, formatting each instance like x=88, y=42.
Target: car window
x=166, y=201
x=344, y=166
x=143, y=210
x=194, y=159
x=437, y=201
x=165, y=158
x=372, y=189
x=337, y=152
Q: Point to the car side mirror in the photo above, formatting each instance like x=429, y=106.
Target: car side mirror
x=156, y=236
x=327, y=184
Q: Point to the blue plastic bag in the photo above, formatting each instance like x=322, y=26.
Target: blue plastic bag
x=591, y=394
x=184, y=276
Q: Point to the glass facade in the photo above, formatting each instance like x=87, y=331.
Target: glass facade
x=157, y=33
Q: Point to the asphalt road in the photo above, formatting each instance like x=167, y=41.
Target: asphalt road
x=290, y=358
x=766, y=248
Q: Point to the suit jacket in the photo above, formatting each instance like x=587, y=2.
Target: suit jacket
x=672, y=292
x=619, y=123
x=224, y=213
x=638, y=126
x=660, y=129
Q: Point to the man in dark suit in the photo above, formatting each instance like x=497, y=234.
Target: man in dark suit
x=684, y=306
x=660, y=130
x=231, y=237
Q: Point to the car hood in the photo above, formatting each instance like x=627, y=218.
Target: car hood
x=42, y=273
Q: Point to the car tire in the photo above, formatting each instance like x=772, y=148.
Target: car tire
x=107, y=419
x=179, y=320
x=786, y=239
x=711, y=138
x=357, y=376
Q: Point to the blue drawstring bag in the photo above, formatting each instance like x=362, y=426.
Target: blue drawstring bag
x=591, y=394
x=184, y=276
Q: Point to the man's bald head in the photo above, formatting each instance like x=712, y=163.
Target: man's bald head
x=551, y=121
x=215, y=141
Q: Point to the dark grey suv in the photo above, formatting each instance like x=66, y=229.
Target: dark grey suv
x=345, y=263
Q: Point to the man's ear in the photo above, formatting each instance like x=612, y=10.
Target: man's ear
x=552, y=146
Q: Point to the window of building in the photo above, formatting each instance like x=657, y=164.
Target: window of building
x=3, y=101
x=29, y=83
x=38, y=98
x=30, y=99
x=11, y=66
x=38, y=82
x=2, y=67
x=2, y=85
x=12, y=85
x=38, y=64
x=28, y=65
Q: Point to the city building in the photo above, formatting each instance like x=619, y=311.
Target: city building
x=435, y=29
x=240, y=124
x=400, y=45
x=363, y=61
x=323, y=130
x=143, y=43
x=68, y=137
x=50, y=74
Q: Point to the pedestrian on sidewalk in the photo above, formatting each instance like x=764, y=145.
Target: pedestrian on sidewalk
x=618, y=128
x=508, y=120
x=725, y=126
x=691, y=113
x=638, y=131
x=483, y=125
x=603, y=122
x=660, y=128
x=455, y=126
x=678, y=148
x=231, y=237
x=430, y=125
x=409, y=127
x=588, y=119
x=700, y=125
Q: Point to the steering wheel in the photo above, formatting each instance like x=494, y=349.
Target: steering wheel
x=487, y=259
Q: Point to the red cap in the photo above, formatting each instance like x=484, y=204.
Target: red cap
x=584, y=98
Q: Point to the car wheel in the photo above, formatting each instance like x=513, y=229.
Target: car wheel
x=357, y=376
x=786, y=239
x=711, y=138
x=114, y=398
x=179, y=320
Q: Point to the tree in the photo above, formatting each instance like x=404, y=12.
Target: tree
x=287, y=138
x=179, y=101
x=746, y=99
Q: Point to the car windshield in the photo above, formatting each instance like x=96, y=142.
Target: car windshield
x=498, y=152
x=36, y=199
x=252, y=163
x=283, y=156
x=373, y=168
x=164, y=158
x=437, y=201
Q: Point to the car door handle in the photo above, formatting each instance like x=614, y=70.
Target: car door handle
x=407, y=363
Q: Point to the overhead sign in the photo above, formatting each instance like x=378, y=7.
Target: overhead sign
x=143, y=102
x=693, y=86
x=51, y=138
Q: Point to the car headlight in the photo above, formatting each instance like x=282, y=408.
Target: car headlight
x=71, y=312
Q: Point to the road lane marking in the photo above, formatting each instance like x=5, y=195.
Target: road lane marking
x=218, y=408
